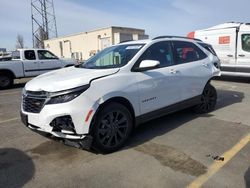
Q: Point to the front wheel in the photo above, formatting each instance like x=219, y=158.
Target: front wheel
x=112, y=128
x=208, y=100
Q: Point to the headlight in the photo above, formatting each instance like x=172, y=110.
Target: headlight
x=66, y=96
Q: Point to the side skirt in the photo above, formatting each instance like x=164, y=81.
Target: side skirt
x=167, y=110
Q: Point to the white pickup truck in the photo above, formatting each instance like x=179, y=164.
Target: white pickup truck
x=29, y=63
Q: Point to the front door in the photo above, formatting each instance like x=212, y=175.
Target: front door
x=243, y=55
x=158, y=87
x=48, y=61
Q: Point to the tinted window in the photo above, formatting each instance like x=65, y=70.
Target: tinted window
x=43, y=54
x=245, y=39
x=187, y=52
x=161, y=51
x=29, y=55
x=208, y=48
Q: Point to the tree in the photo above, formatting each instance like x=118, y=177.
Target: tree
x=19, y=41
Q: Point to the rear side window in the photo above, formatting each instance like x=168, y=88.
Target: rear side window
x=187, y=52
x=208, y=48
x=29, y=55
x=161, y=51
x=16, y=55
x=245, y=40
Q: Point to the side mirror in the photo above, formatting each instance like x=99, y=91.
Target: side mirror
x=147, y=65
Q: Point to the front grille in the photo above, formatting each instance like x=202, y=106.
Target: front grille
x=33, y=103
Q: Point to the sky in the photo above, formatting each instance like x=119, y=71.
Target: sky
x=157, y=17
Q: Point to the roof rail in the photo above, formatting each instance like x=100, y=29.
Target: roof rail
x=162, y=37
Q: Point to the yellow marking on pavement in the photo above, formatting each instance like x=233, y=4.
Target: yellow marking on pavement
x=7, y=120
x=217, y=165
x=9, y=93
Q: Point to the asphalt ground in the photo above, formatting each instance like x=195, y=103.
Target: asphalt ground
x=179, y=150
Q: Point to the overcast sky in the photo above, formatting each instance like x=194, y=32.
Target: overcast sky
x=157, y=17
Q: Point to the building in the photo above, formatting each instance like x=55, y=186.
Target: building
x=85, y=44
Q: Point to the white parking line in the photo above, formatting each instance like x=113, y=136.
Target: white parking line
x=8, y=120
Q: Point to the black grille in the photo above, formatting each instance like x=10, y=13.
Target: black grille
x=32, y=104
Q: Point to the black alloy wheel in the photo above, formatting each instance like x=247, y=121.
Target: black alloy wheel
x=112, y=128
x=208, y=100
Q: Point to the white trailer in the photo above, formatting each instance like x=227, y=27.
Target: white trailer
x=231, y=42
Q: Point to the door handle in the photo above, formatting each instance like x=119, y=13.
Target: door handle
x=241, y=55
x=229, y=55
x=173, y=71
x=35, y=62
x=205, y=64
x=41, y=62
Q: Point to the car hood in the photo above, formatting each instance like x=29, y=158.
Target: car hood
x=66, y=78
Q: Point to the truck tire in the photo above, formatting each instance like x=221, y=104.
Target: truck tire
x=112, y=128
x=6, y=80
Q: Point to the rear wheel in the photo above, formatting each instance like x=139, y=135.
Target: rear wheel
x=208, y=100
x=112, y=128
x=6, y=80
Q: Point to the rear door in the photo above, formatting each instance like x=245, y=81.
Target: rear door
x=48, y=61
x=243, y=55
x=30, y=63
x=158, y=87
x=193, y=68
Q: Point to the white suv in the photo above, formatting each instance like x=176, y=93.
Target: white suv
x=100, y=101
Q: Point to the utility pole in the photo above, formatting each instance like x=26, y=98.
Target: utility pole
x=43, y=21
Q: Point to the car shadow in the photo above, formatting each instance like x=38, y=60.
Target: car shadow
x=165, y=124
x=16, y=168
x=247, y=178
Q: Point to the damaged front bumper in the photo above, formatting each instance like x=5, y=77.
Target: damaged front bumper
x=66, y=137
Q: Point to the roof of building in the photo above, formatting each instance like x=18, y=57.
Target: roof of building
x=94, y=30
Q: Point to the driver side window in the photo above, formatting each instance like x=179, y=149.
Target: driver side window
x=44, y=55
x=245, y=38
x=161, y=51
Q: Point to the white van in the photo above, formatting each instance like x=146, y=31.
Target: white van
x=231, y=41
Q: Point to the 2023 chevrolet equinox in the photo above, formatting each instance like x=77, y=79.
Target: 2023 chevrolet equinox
x=103, y=99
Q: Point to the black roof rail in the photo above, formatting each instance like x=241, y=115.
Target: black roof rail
x=162, y=37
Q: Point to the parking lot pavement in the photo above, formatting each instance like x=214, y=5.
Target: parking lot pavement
x=179, y=150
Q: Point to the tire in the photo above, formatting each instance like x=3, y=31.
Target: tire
x=6, y=81
x=208, y=100
x=112, y=128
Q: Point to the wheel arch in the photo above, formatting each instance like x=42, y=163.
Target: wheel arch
x=118, y=99
x=9, y=72
x=208, y=82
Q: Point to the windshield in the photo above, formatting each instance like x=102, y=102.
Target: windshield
x=112, y=57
